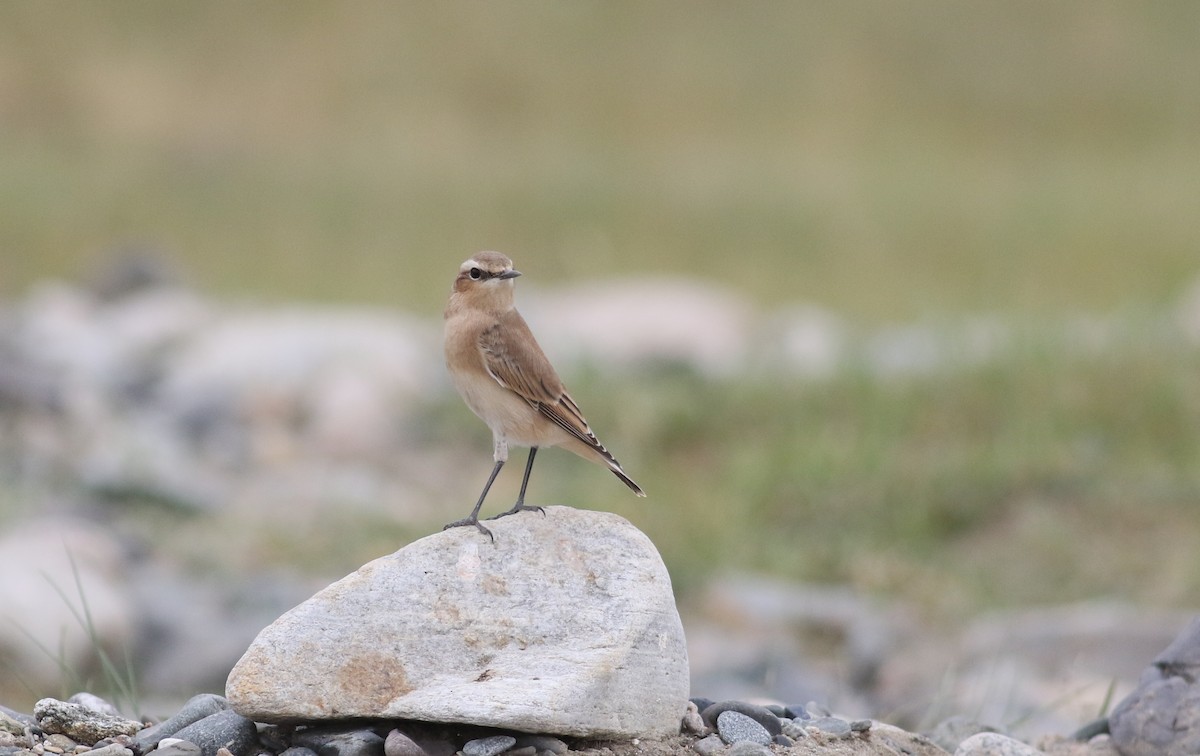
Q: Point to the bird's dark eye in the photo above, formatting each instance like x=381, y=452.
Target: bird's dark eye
x=476, y=274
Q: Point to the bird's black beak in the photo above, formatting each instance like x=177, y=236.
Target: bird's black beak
x=509, y=274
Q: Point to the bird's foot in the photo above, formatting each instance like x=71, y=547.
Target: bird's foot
x=470, y=521
x=518, y=507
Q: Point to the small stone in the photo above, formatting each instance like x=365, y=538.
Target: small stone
x=112, y=749
x=225, y=729
x=224, y=752
x=492, y=746
x=994, y=744
x=709, y=746
x=953, y=730
x=701, y=702
x=177, y=747
x=1102, y=745
x=61, y=742
x=692, y=721
x=735, y=727
x=15, y=722
x=783, y=740
x=795, y=711
x=399, y=744
x=342, y=741
x=79, y=723
x=193, y=710
x=542, y=743
x=795, y=729
x=748, y=748
x=759, y=714
x=833, y=726
x=860, y=726
x=299, y=751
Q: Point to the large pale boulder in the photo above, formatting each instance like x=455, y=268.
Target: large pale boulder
x=565, y=625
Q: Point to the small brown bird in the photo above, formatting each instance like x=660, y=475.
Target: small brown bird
x=505, y=378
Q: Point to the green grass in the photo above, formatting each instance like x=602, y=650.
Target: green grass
x=890, y=162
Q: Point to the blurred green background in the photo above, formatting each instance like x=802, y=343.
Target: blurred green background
x=892, y=162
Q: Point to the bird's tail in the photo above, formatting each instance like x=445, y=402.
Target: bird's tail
x=616, y=469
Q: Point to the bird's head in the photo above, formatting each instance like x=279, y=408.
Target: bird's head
x=488, y=276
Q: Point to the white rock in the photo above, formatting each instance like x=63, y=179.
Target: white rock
x=565, y=625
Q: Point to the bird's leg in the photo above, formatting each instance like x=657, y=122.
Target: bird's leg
x=473, y=518
x=520, y=505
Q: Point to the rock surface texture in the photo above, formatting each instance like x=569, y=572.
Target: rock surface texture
x=565, y=625
x=1162, y=716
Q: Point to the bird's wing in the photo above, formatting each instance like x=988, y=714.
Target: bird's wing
x=513, y=358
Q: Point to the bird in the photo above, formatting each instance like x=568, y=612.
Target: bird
x=506, y=379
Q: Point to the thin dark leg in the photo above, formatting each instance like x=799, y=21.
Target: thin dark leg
x=520, y=505
x=473, y=518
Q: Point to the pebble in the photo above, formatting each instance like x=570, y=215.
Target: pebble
x=399, y=744
x=112, y=749
x=195, y=709
x=953, y=730
x=177, y=747
x=795, y=711
x=833, y=726
x=342, y=741
x=491, y=746
x=759, y=714
x=300, y=751
x=860, y=726
x=735, y=727
x=783, y=740
x=795, y=729
x=542, y=743
x=709, y=746
x=692, y=721
x=225, y=729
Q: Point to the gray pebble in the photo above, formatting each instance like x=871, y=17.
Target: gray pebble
x=342, y=742
x=177, y=747
x=830, y=725
x=399, y=744
x=953, y=730
x=759, y=714
x=735, y=727
x=692, y=721
x=783, y=740
x=709, y=746
x=195, y=709
x=112, y=749
x=795, y=729
x=860, y=725
x=795, y=711
x=298, y=751
x=60, y=741
x=492, y=746
x=542, y=743
x=747, y=748
x=225, y=729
